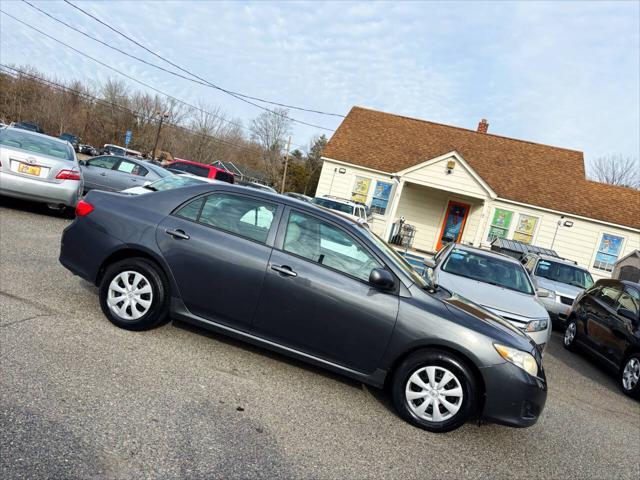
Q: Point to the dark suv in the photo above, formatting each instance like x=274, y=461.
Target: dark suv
x=605, y=320
x=295, y=278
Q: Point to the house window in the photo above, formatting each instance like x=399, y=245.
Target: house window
x=500, y=224
x=525, y=228
x=381, y=195
x=360, y=189
x=608, y=252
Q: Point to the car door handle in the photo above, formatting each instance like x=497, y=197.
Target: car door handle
x=176, y=233
x=284, y=270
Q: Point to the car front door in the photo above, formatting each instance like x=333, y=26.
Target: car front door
x=126, y=174
x=623, y=326
x=601, y=311
x=317, y=298
x=217, y=247
x=97, y=172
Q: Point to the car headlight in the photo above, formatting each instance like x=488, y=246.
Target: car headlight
x=536, y=325
x=521, y=359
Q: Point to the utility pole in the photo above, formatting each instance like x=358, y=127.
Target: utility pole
x=286, y=164
x=155, y=145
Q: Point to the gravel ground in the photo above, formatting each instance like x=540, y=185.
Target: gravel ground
x=80, y=398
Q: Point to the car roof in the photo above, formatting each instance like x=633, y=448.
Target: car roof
x=628, y=283
x=488, y=253
x=344, y=201
x=207, y=165
x=36, y=134
x=551, y=258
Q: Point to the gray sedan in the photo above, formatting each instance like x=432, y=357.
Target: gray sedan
x=37, y=167
x=114, y=173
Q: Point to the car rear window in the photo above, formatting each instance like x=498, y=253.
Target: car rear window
x=36, y=144
x=224, y=177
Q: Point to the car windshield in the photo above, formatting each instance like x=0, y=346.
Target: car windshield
x=397, y=259
x=36, y=144
x=174, y=181
x=333, y=205
x=488, y=269
x=563, y=273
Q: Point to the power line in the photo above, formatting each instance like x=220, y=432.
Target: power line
x=122, y=107
x=118, y=71
x=142, y=61
x=239, y=96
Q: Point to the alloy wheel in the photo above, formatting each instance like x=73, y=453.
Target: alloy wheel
x=434, y=393
x=631, y=374
x=570, y=333
x=130, y=295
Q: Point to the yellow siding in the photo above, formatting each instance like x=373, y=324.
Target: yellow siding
x=458, y=181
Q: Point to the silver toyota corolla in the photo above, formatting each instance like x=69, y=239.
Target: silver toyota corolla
x=38, y=167
x=498, y=283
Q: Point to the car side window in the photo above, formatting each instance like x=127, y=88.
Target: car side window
x=245, y=216
x=322, y=243
x=103, y=162
x=132, y=168
x=191, y=211
x=630, y=300
x=608, y=295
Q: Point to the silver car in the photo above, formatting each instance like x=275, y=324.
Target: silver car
x=563, y=278
x=497, y=282
x=115, y=173
x=38, y=167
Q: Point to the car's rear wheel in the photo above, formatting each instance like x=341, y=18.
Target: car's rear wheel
x=134, y=294
x=434, y=390
x=630, y=376
x=570, y=333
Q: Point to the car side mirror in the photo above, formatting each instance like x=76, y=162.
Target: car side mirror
x=628, y=314
x=543, y=293
x=382, y=279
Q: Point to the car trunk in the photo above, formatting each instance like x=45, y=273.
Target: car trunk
x=34, y=165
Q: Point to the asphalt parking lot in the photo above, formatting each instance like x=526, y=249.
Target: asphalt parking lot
x=80, y=398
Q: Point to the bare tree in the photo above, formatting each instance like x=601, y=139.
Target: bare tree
x=617, y=170
x=269, y=130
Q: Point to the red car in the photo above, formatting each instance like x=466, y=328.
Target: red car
x=200, y=169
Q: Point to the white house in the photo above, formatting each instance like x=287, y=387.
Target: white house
x=472, y=186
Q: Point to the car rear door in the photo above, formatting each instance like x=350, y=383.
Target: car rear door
x=127, y=173
x=622, y=327
x=218, y=247
x=600, y=316
x=316, y=296
x=97, y=172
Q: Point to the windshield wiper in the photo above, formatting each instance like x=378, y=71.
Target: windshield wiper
x=149, y=187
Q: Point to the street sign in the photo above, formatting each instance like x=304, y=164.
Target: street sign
x=127, y=138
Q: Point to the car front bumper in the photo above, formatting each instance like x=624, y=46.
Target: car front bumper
x=513, y=397
x=66, y=192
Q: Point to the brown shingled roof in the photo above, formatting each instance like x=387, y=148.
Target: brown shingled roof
x=518, y=170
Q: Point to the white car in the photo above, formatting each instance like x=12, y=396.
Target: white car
x=169, y=183
x=497, y=282
x=354, y=210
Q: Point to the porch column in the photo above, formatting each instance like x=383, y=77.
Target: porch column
x=392, y=211
x=477, y=240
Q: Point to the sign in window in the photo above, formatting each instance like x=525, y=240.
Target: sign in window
x=608, y=252
x=525, y=229
x=500, y=224
x=381, y=195
x=361, y=189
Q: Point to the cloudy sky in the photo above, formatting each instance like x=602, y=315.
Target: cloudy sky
x=566, y=74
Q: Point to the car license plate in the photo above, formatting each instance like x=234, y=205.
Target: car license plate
x=29, y=169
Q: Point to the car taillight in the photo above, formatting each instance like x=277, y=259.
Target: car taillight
x=68, y=175
x=83, y=208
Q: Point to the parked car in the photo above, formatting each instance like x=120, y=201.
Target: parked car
x=564, y=279
x=110, y=172
x=111, y=149
x=201, y=170
x=72, y=139
x=354, y=210
x=37, y=167
x=89, y=150
x=299, y=196
x=497, y=282
x=605, y=321
x=168, y=183
x=264, y=268
x=31, y=126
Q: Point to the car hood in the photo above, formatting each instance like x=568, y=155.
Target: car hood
x=495, y=298
x=560, y=288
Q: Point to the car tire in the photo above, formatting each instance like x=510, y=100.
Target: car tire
x=630, y=376
x=570, y=334
x=413, y=386
x=134, y=294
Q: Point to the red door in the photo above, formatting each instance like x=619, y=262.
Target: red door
x=453, y=224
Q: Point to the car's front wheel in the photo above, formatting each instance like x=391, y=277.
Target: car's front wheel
x=434, y=390
x=630, y=376
x=134, y=294
x=570, y=333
